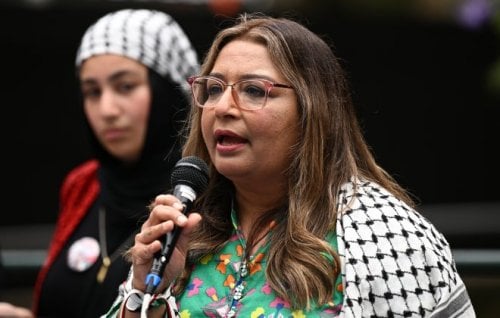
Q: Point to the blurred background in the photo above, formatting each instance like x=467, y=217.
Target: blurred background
x=425, y=76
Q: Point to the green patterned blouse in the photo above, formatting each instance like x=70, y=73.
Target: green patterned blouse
x=223, y=285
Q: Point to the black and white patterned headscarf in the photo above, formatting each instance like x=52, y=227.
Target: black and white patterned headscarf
x=151, y=37
x=156, y=40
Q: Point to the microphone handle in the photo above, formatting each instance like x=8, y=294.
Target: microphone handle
x=153, y=279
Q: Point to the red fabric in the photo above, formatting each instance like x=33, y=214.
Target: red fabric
x=78, y=192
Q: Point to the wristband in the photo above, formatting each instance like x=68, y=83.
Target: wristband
x=134, y=301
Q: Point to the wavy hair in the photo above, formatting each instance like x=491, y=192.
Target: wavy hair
x=302, y=266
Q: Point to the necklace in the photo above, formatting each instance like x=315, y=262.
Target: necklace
x=107, y=259
x=239, y=288
x=245, y=268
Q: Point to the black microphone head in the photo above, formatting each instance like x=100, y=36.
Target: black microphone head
x=191, y=171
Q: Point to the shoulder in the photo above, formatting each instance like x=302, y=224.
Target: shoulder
x=372, y=213
x=393, y=259
x=83, y=171
x=81, y=177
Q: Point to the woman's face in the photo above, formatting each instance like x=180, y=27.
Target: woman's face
x=117, y=101
x=250, y=146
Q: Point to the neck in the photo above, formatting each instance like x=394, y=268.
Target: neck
x=253, y=205
x=128, y=190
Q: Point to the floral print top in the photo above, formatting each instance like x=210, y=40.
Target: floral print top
x=223, y=285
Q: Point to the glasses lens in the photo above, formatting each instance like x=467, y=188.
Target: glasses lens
x=252, y=93
x=207, y=91
x=249, y=94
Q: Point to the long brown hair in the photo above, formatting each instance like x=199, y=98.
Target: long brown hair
x=330, y=152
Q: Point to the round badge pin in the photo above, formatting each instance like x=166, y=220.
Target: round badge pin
x=83, y=253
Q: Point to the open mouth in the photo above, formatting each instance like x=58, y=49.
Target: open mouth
x=226, y=140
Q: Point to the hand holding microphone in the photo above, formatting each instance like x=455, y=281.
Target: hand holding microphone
x=189, y=179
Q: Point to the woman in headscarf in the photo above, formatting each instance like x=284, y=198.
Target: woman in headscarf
x=131, y=66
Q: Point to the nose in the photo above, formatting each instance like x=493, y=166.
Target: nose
x=227, y=102
x=108, y=103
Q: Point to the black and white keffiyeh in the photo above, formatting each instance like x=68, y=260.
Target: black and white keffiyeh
x=394, y=261
x=151, y=37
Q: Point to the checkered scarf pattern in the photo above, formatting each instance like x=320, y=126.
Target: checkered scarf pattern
x=151, y=37
x=395, y=263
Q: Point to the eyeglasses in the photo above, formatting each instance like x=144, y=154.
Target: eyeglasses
x=249, y=94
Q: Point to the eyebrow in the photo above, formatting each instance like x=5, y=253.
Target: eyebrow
x=244, y=77
x=114, y=77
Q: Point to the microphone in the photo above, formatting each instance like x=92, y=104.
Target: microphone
x=189, y=179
